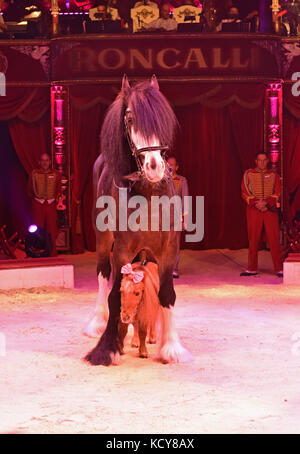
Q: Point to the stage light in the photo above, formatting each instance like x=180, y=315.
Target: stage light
x=37, y=242
x=32, y=228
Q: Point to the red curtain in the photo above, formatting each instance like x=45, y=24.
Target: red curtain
x=291, y=164
x=86, y=117
x=27, y=103
x=221, y=129
x=31, y=140
x=215, y=147
x=26, y=111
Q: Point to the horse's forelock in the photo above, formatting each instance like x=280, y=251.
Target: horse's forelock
x=151, y=112
x=152, y=116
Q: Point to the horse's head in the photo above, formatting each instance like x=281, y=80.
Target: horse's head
x=132, y=290
x=150, y=123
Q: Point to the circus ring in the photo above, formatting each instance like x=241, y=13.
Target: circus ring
x=243, y=335
x=244, y=338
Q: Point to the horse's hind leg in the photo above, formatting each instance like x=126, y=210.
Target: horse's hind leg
x=171, y=350
x=99, y=320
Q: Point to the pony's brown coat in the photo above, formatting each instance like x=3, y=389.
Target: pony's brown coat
x=148, y=309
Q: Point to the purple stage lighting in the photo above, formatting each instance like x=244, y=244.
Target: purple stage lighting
x=32, y=228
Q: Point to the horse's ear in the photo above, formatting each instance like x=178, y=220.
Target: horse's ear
x=125, y=83
x=154, y=82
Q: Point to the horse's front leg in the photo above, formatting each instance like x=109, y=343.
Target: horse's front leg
x=171, y=350
x=99, y=319
x=107, y=351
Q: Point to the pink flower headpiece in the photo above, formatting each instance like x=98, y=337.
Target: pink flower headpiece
x=137, y=276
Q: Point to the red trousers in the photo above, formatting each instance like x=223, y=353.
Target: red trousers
x=256, y=220
x=45, y=216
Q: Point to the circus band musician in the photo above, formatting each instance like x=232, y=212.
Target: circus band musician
x=181, y=189
x=261, y=191
x=44, y=188
x=165, y=23
x=99, y=12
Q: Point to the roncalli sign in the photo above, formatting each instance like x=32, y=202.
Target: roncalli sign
x=166, y=55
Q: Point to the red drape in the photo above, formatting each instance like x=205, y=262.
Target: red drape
x=86, y=117
x=31, y=140
x=26, y=110
x=215, y=146
x=291, y=165
x=291, y=153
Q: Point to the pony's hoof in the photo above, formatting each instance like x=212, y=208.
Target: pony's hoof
x=143, y=355
x=151, y=341
x=135, y=343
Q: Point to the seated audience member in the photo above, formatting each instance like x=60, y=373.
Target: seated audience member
x=253, y=19
x=288, y=25
x=202, y=19
x=123, y=7
x=164, y=22
x=99, y=12
x=232, y=19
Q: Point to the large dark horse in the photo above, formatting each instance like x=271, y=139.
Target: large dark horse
x=138, y=128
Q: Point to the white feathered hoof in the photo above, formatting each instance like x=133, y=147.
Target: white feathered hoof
x=171, y=350
x=95, y=327
x=174, y=352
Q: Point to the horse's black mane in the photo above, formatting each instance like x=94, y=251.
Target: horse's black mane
x=151, y=114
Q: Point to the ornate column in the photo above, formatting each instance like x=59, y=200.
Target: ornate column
x=275, y=10
x=55, y=17
x=61, y=160
x=273, y=141
x=273, y=124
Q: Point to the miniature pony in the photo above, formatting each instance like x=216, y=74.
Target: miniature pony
x=139, y=303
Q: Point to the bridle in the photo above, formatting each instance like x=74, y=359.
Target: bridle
x=136, y=153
